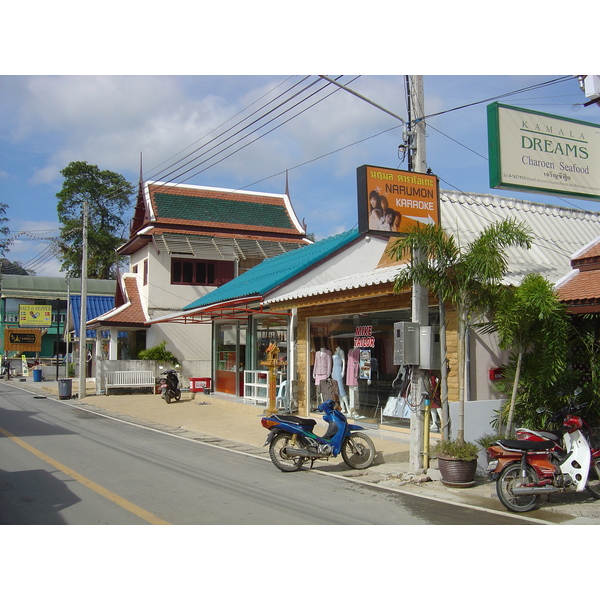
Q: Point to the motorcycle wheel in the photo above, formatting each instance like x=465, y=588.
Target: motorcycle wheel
x=358, y=451
x=593, y=482
x=285, y=463
x=509, y=478
x=166, y=397
x=177, y=395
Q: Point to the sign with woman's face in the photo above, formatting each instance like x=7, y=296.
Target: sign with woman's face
x=390, y=201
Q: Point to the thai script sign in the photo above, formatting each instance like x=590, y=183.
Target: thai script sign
x=390, y=201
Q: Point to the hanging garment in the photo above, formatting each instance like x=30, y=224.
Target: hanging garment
x=352, y=367
x=328, y=388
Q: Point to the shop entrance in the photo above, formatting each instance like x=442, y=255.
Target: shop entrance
x=230, y=357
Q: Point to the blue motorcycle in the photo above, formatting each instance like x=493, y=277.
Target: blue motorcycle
x=292, y=441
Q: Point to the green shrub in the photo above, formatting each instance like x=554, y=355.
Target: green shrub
x=455, y=449
x=159, y=353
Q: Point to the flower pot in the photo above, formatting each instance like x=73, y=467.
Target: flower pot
x=456, y=472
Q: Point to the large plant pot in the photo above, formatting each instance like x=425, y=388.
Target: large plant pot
x=457, y=473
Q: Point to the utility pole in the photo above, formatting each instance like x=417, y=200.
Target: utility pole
x=83, y=320
x=420, y=304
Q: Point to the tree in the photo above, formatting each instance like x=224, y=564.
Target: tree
x=5, y=242
x=108, y=195
x=467, y=278
x=530, y=319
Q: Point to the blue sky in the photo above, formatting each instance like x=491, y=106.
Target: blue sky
x=50, y=115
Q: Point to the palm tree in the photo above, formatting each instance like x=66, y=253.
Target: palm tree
x=465, y=277
x=531, y=319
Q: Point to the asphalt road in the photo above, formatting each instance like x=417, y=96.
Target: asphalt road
x=63, y=465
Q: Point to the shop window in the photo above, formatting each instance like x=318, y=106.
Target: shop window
x=198, y=272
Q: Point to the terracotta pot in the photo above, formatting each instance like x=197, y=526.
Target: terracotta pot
x=457, y=473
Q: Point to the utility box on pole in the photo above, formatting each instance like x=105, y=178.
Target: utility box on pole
x=406, y=343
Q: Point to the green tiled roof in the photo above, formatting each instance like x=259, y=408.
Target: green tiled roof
x=275, y=271
x=213, y=210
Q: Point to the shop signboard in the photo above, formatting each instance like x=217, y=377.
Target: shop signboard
x=391, y=201
x=537, y=152
x=22, y=340
x=35, y=315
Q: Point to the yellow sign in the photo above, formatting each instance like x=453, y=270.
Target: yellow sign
x=35, y=315
x=390, y=200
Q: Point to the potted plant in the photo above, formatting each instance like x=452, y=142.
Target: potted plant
x=457, y=462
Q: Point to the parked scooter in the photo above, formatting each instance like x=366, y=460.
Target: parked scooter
x=169, y=386
x=525, y=469
x=557, y=451
x=292, y=441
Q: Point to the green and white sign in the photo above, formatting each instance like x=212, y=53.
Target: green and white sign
x=536, y=152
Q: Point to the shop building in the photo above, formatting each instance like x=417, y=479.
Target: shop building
x=345, y=300
x=61, y=298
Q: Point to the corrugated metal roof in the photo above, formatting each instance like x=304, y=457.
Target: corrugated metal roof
x=558, y=234
x=94, y=307
x=275, y=271
x=52, y=288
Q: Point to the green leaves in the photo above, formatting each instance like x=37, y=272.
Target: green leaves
x=108, y=196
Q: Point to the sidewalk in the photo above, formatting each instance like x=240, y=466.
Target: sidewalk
x=216, y=417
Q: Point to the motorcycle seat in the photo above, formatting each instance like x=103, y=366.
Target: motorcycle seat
x=297, y=420
x=548, y=434
x=521, y=445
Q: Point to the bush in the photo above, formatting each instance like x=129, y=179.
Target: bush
x=159, y=353
x=455, y=449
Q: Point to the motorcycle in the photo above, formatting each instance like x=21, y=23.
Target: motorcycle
x=526, y=469
x=169, y=386
x=291, y=440
x=557, y=451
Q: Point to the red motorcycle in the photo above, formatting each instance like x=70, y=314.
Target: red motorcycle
x=525, y=469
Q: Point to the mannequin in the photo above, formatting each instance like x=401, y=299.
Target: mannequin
x=352, y=376
x=322, y=366
x=339, y=366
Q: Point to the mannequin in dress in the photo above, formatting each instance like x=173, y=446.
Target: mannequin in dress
x=337, y=372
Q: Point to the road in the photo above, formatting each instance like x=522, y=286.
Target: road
x=63, y=465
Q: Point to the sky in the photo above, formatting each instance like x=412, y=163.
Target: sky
x=60, y=108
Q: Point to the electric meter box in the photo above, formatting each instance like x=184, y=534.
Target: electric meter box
x=406, y=343
x=429, y=348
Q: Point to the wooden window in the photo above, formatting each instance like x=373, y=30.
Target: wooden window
x=200, y=272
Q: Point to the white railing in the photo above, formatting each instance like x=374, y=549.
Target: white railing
x=256, y=386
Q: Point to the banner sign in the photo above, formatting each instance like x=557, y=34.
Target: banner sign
x=391, y=201
x=540, y=153
x=35, y=315
x=22, y=340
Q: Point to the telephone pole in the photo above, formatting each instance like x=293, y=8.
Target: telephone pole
x=420, y=304
x=83, y=320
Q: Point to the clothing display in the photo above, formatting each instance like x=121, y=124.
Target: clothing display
x=328, y=388
x=337, y=371
x=323, y=365
x=352, y=367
